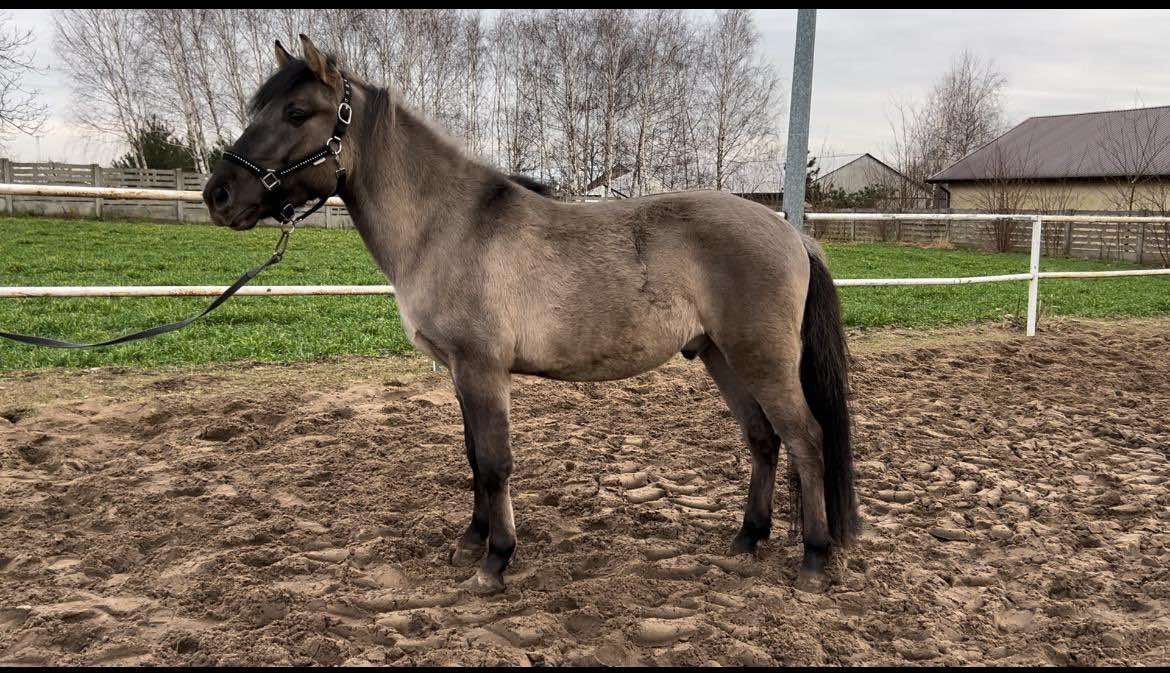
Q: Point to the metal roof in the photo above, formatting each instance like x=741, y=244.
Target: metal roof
x=835, y=162
x=1107, y=144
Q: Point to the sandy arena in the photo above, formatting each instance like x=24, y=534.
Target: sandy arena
x=1015, y=497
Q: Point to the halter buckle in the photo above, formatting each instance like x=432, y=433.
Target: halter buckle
x=344, y=113
x=269, y=180
x=288, y=212
x=334, y=145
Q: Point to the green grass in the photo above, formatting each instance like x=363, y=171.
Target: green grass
x=287, y=329
x=924, y=307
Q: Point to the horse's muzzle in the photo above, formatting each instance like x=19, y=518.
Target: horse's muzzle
x=245, y=219
x=222, y=205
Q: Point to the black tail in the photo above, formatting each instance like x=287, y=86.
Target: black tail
x=824, y=377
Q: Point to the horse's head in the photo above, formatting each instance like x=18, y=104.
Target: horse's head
x=294, y=115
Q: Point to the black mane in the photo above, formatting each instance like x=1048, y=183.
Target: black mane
x=297, y=72
x=531, y=184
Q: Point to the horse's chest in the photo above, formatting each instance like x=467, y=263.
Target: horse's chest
x=414, y=319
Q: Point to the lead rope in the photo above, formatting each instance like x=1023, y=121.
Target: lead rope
x=277, y=256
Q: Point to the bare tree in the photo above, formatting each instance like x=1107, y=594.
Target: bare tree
x=1156, y=199
x=962, y=112
x=1005, y=187
x=1136, y=150
x=741, y=90
x=615, y=58
x=105, y=58
x=178, y=80
x=668, y=99
x=20, y=108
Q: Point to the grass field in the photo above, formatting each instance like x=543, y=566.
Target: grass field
x=282, y=329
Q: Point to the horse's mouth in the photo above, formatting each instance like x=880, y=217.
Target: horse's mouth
x=245, y=219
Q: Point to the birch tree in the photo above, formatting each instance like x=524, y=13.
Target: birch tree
x=104, y=55
x=668, y=99
x=21, y=110
x=741, y=88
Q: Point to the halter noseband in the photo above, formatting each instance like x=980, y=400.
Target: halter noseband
x=272, y=178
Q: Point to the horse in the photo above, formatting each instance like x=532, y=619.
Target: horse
x=494, y=278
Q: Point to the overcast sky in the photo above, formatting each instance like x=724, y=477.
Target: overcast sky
x=1056, y=61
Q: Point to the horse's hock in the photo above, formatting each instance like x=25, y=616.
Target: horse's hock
x=303, y=514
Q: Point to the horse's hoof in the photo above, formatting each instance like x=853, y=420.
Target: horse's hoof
x=465, y=555
x=812, y=582
x=483, y=583
x=743, y=544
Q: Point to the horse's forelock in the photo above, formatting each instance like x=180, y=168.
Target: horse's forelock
x=293, y=74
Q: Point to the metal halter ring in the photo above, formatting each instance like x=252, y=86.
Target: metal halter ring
x=334, y=145
x=269, y=180
x=344, y=113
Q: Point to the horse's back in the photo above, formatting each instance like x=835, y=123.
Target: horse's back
x=627, y=284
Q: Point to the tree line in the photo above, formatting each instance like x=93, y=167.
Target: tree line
x=668, y=98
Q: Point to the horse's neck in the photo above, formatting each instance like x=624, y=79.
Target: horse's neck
x=406, y=183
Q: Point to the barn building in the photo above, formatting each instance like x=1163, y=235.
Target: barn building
x=1114, y=161
x=852, y=173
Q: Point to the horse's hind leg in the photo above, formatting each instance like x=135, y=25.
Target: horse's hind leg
x=764, y=445
x=469, y=547
x=769, y=369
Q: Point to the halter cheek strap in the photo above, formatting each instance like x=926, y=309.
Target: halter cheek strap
x=273, y=178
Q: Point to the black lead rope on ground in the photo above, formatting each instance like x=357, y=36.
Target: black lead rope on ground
x=243, y=280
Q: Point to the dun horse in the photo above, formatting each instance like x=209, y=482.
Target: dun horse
x=495, y=278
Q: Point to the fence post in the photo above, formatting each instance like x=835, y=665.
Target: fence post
x=96, y=179
x=178, y=202
x=7, y=177
x=1068, y=233
x=1141, y=242
x=1034, y=270
x=328, y=217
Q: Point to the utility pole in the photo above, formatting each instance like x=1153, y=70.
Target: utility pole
x=796, y=163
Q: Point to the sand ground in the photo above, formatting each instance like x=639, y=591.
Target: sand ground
x=1015, y=497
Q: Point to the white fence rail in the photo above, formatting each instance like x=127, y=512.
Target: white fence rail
x=1033, y=275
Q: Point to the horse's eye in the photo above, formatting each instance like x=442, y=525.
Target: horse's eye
x=296, y=117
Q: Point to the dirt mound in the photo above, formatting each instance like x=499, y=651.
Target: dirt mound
x=1014, y=493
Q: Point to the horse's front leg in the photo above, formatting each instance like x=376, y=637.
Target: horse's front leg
x=483, y=390
x=469, y=547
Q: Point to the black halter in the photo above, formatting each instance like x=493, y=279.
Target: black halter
x=272, y=178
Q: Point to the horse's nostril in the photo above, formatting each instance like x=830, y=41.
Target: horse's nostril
x=222, y=197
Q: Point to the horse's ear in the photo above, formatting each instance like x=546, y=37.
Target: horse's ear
x=320, y=64
x=283, y=58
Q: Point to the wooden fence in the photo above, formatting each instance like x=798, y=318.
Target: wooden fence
x=92, y=175
x=1107, y=240
x=1144, y=242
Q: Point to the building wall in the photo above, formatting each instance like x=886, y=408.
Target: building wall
x=859, y=174
x=866, y=172
x=1097, y=195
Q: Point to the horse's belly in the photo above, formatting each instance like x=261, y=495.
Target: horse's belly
x=600, y=367
x=604, y=350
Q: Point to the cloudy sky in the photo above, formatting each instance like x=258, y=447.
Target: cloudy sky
x=1056, y=61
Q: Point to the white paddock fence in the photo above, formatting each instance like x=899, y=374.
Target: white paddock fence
x=1033, y=275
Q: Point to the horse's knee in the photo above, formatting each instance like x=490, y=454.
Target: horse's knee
x=803, y=441
x=762, y=440
x=494, y=470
